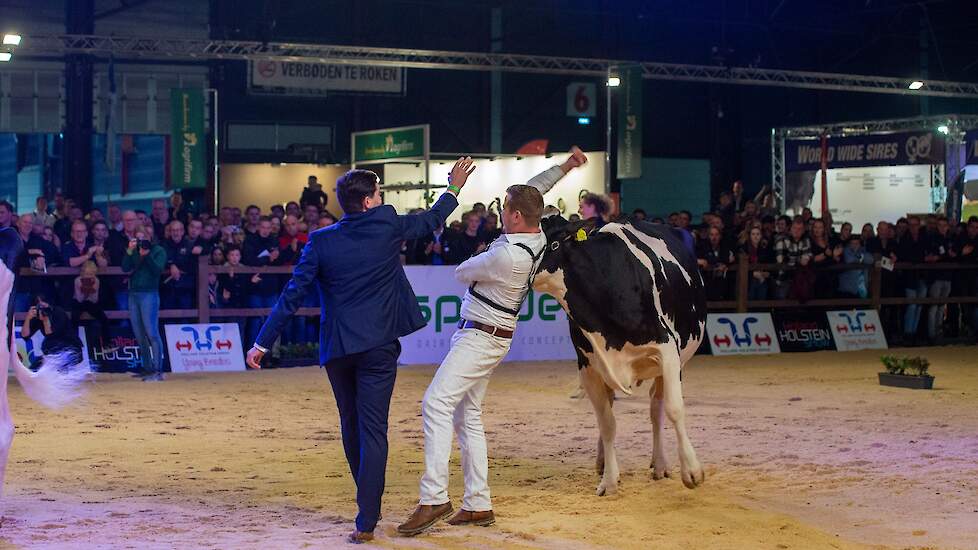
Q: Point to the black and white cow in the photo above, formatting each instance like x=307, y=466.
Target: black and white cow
x=638, y=312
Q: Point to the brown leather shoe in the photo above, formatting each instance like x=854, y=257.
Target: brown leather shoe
x=424, y=516
x=360, y=537
x=465, y=517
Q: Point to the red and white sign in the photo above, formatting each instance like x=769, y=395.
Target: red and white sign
x=304, y=78
x=205, y=347
x=581, y=99
x=741, y=333
x=855, y=330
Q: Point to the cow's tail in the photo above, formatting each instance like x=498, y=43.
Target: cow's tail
x=57, y=383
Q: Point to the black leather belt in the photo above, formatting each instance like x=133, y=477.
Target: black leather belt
x=495, y=331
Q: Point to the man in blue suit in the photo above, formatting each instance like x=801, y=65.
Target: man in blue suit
x=367, y=305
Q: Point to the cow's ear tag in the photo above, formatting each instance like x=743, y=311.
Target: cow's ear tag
x=581, y=235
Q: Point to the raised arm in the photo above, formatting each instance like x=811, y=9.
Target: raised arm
x=415, y=226
x=544, y=181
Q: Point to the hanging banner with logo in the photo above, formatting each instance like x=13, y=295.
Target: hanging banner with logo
x=30, y=352
x=581, y=99
x=120, y=353
x=971, y=147
x=209, y=347
x=741, y=333
x=390, y=143
x=187, y=139
x=803, y=331
x=630, y=123
x=269, y=76
x=855, y=330
x=895, y=149
x=541, y=332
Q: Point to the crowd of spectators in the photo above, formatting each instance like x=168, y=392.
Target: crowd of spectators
x=175, y=238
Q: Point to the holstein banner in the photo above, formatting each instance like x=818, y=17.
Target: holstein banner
x=120, y=353
x=803, y=331
x=187, y=147
x=856, y=330
x=895, y=149
x=630, y=123
x=305, y=78
x=741, y=333
x=541, y=333
x=389, y=143
x=204, y=347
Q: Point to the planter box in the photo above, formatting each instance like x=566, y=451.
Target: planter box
x=296, y=362
x=906, y=381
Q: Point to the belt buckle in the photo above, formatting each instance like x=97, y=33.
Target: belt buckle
x=494, y=329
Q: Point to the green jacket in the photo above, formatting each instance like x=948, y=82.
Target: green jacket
x=145, y=270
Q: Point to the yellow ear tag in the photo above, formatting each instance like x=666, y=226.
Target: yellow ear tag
x=581, y=235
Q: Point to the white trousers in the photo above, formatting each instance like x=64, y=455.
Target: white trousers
x=454, y=400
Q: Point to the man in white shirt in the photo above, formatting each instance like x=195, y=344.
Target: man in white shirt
x=499, y=280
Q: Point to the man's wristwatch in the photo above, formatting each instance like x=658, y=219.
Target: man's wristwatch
x=259, y=348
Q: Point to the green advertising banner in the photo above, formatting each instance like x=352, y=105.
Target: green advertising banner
x=187, y=147
x=389, y=143
x=630, y=123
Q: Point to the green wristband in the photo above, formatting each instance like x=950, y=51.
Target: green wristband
x=455, y=189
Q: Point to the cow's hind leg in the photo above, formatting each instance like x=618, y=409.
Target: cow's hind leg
x=672, y=390
x=660, y=465
x=602, y=398
x=6, y=421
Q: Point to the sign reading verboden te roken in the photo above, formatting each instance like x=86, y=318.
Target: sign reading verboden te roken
x=741, y=333
x=205, y=347
x=389, y=143
x=305, y=78
x=541, y=332
x=630, y=123
x=803, y=331
x=856, y=330
x=187, y=151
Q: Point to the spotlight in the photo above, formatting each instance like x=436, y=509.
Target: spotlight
x=11, y=40
x=943, y=129
x=614, y=81
x=5, y=56
x=915, y=85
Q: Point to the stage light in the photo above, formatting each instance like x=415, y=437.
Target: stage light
x=5, y=56
x=614, y=81
x=915, y=85
x=11, y=40
x=943, y=129
x=584, y=121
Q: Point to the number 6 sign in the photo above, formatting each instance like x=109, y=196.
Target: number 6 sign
x=581, y=97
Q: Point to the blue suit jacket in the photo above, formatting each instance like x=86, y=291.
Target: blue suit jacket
x=355, y=263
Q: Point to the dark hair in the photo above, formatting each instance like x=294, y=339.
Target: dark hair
x=784, y=218
x=354, y=186
x=138, y=212
x=7, y=205
x=600, y=204
x=250, y=206
x=526, y=200
x=290, y=203
x=264, y=219
x=639, y=211
x=972, y=219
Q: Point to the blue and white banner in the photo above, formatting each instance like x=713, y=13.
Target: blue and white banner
x=207, y=347
x=896, y=149
x=971, y=147
x=855, y=330
x=541, y=333
x=741, y=333
x=30, y=350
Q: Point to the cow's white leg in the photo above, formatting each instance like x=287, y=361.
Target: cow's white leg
x=660, y=465
x=672, y=389
x=602, y=397
x=6, y=421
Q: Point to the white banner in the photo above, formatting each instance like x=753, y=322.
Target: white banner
x=856, y=330
x=741, y=333
x=206, y=347
x=30, y=350
x=305, y=78
x=868, y=195
x=541, y=333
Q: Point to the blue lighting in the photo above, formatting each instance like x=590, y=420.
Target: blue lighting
x=584, y=120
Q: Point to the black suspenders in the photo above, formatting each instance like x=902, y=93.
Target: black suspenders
x=529, y=282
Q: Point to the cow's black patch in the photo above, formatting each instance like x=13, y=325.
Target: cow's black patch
x=581, y=344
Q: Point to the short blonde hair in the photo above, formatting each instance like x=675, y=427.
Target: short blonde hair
x=526, y=200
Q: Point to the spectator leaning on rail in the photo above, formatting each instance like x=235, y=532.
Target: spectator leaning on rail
x=912, y=248
x=853, y=282
x=179, y=280
x=940, y=249
x=145, y=261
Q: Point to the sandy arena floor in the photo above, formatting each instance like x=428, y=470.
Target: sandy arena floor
x=801, y=451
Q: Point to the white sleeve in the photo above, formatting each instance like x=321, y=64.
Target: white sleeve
x=544, y=181
x=495, y=264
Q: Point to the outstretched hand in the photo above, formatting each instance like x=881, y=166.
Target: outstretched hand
x=463, y=168
x=576, y=160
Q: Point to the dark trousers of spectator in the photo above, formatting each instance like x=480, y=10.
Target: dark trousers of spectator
x=911, y=316
x=935, y=313
x=362, y=385
x=97, y=313
x=144, y=313
x=254, y=323
x=757, y=290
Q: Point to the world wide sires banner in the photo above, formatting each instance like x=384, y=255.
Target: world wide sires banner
x=541, y=333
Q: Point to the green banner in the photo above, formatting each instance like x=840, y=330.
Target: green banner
x=187, y=144
x=630, y=123
x=387, y=144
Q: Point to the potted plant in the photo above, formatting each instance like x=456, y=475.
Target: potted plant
x=906, y=372
x=297, y=355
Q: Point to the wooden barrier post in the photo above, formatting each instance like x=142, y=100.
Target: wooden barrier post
x=203, y=300
x=742, y=283
x=876, y=284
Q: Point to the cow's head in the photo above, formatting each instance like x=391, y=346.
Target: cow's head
x=564, y=238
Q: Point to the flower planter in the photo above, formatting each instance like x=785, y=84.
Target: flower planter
x=906, y=381
x=296, y=362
